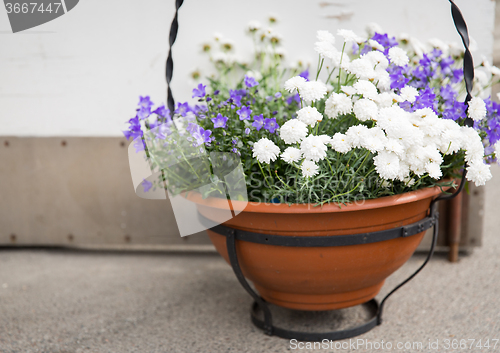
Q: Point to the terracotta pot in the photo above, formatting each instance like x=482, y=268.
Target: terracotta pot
x=321, y=278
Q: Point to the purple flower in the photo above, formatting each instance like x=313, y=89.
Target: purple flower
x=277, y=95
x=385, y=41
x=139, y=145
x=244, y=113
x=446, y=64
x=305, y=74
x=219, y=121
x=147, y=185
x=145, y=102
x=143, y=113
x=458, y=75
x=216, y=92
x=247, y=131
x=234, y=97
x=271, y=125
x=448, y=93
x=162, y=111
x=182, y=109
x=250, y=82
x=295, y=98
x=201, y=136
x=200, y=91
x=426, y=99
x=398, y=78
x=258, y=122
x=455, y=111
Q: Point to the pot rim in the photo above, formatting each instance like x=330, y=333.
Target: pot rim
x=261, y=207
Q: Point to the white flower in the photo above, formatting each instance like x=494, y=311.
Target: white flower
x=362, y=68
x=473, y=145
x=265, y=150
x=349, y=36
x=326, y=50
x=309, y=169
x=325, y=139
x=387, y=165
x=479, y=173
x=291, y=155
x=313, y=148
x=295, y=83
x=409, y=93
x=395, y=146
x=376, y=45
x=254, y=26
x=293, y=131
x=378, y=59
x=325, y=36
x=477, y=109
x=349, y=90
x=309, y=116
x=312, y=91
x=340, y=143
x=372, y=28
x=365, y=109
x=434, y=170
x=398, y=56
x=356, y=134
x=366, y=89
x=338, y=103
x=384, y=100
x=383, y=79
x=375, y=140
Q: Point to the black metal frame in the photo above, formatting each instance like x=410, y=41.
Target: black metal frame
x=234, y=234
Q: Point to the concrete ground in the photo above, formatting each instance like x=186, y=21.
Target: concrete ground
x=83, y=301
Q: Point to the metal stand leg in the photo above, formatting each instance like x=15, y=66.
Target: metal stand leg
x=267, y=324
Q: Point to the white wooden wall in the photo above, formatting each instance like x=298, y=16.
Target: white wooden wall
x=81, y=74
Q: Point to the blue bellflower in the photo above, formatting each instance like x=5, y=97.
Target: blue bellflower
x=258, y=122
x=200, y=91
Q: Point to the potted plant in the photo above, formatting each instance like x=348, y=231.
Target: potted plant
x=359, y=146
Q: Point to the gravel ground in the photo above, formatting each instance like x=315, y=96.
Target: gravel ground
x=83, y=301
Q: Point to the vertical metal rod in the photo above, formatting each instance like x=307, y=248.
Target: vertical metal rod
x=455, y=225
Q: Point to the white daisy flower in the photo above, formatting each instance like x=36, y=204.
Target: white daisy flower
x=338, y=103
x=349, y=36
x=340, y=143
x=326, y=50
x=349, y=90
x=309, y=116
x=254, y=26
x=265, y=150
x=293, y=131
x=375, y=44
x=291, y=155
x=398, y=56
x=477, y=109
x=312, y=91
x=356, y=134
x=378, y=59
x=294, y=83
x=409, y=93
x=362, y=68
x=325, y=36
x=479, y=173
x=387, y=165
x=309, y=169
x=313, y=148
x=366, y=89
x=434, y=170
x=365, y=109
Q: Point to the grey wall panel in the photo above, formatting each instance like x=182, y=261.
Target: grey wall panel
x=78, y=190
